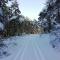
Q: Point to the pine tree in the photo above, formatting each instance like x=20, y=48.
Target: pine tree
x=50, y=14
x=3, y=14
x=13, y=24
x=15, y=12
x=5, y=9
x=53, y=13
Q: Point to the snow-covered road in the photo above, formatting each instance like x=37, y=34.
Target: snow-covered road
x=30, y=50
x=33, y=47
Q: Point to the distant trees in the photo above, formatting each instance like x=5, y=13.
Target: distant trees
x=18, y=27
x=12, y=28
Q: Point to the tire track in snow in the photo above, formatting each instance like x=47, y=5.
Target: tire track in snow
x=28, y=53
x=21, y=57
x=33, y=47
x=39, y=52
x=19, y=53
x=35, y=51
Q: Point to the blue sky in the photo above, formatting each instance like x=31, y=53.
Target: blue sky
x=31, y=8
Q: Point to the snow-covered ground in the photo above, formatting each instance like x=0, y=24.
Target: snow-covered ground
x=31, y=47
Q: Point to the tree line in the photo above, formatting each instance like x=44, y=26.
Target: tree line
x=13, y=21
x=49, y=17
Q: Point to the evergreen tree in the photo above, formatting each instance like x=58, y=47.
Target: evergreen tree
x=3, y=14
x=50, y=15
x=12, y=27
x=5, y=9
x=15, y=12
x=53, y=20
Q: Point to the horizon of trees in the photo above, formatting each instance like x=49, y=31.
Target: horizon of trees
x=14, y=22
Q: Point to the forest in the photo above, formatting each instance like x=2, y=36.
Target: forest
x=13, y=22
x=23, y=38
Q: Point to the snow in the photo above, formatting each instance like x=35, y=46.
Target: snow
x=1, y=26
x=55, y=41
x=21, y=19
x=31, y=47
x=1, y=13
x=14, y=17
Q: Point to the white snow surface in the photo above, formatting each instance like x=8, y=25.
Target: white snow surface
x=14, y=17
x=31, y=47
x=1, y=13
x=1, y=26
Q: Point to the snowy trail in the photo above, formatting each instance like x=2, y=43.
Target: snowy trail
x=19, y=53
x=33, y=47
x=31, y=51
x=39, y=52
